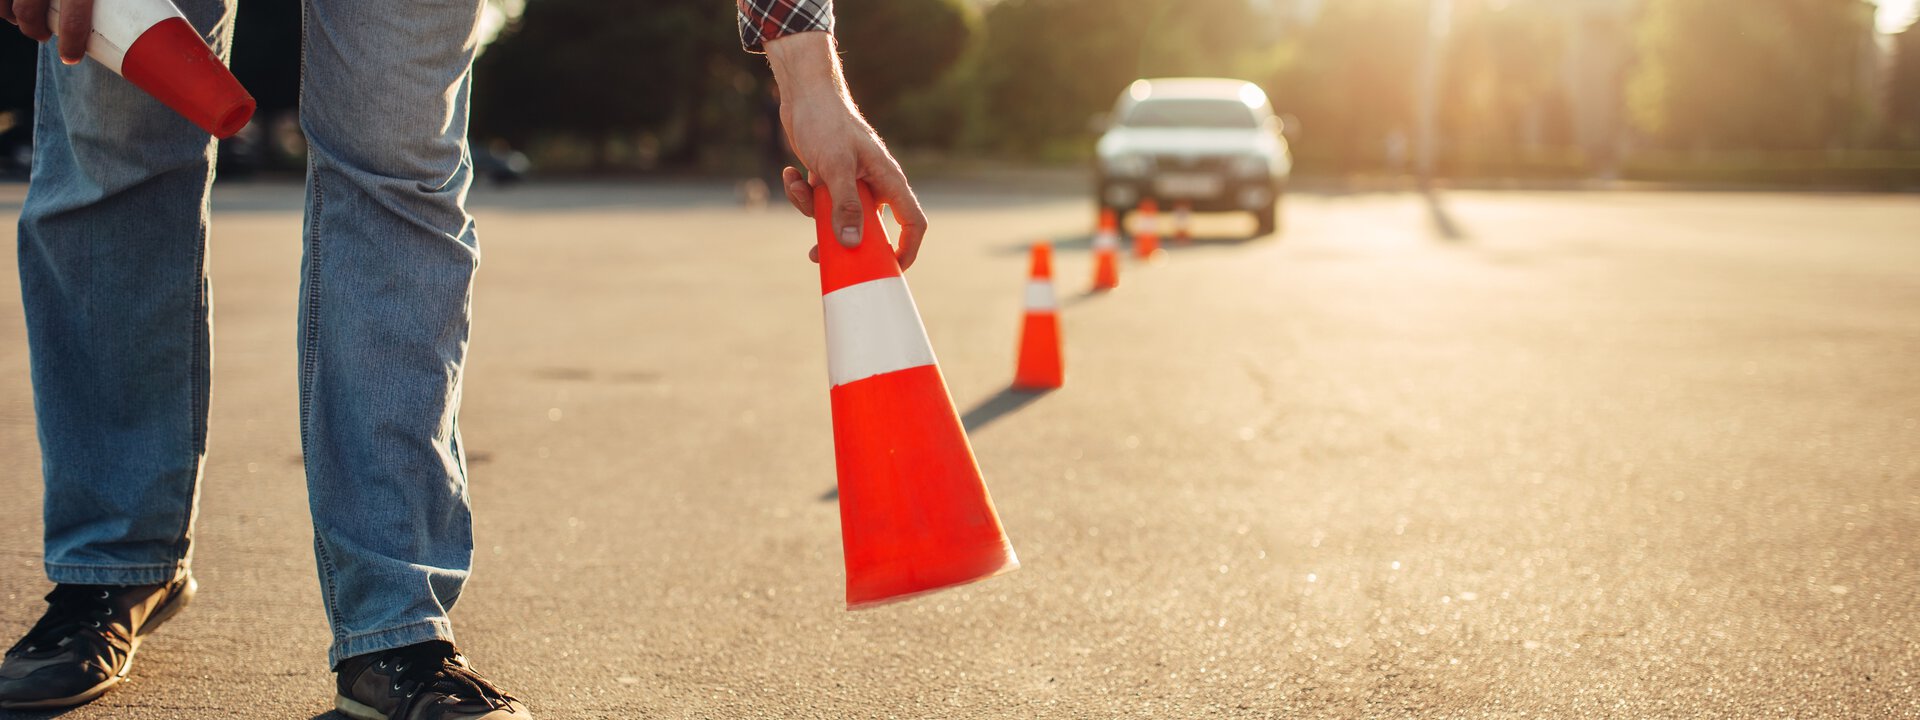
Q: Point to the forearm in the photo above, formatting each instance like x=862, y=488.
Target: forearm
x=807, y=67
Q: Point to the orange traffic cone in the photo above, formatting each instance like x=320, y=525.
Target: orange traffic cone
x=151, y=44
x=1106, y=267
x=1146, y=242
x=914, y=512
x=1183, y=223
x=1040, y=367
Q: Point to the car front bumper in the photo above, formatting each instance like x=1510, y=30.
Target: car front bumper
x=1204, y=193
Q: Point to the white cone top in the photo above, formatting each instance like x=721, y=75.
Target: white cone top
x=873, y=329
x=1040, y=296
x=117, y=24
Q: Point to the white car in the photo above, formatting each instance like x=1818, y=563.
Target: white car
x=1213, y=143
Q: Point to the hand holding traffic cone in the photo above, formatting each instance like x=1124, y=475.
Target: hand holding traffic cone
x=152, y=45
x=914, y=511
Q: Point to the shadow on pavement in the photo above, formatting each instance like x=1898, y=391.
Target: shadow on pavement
x=993, y=408
x=1444, y=226
x=34, y=714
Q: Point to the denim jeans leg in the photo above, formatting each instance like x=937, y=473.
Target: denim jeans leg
x=385, y=308
x=113, y=280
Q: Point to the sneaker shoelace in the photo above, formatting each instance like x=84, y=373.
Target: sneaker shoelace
x=439, y=667
x=76, y=613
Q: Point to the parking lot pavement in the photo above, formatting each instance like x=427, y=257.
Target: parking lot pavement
x=1560, y=455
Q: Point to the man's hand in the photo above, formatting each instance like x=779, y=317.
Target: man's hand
x=836, y=144
x=34, y=19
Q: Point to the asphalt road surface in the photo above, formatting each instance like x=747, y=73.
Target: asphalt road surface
x=1535, y=455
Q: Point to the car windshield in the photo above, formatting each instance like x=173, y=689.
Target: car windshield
x=1190, y=114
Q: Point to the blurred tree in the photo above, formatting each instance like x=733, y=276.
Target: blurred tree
x=1903, y=89
x=1502, y=93
x=266, y=53
x=17, y=59
x=583, y=68
x=1349, y=78
x=892, y=48
x=1738, y=75
x=1046, y=66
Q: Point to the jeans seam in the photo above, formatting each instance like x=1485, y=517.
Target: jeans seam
x=309, y=357
x=328, y=593
x=197, y=381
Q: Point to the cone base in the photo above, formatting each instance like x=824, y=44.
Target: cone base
x=173, y=64
x=1040, y=365
x=914, y=512
x=1106, y=271
x=1010, y=564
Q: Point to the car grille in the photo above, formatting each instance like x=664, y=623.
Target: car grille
x=1192, y=163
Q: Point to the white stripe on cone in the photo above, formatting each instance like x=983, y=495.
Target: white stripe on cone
x=1106, y=239
x=1040, y=295
x=117, y=24
x=873, y=329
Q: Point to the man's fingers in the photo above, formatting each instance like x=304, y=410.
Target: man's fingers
x=813, y=253
x=848, y=216
x=31, y=15
x=890, y=187
x=76, y=25
x=798, y=191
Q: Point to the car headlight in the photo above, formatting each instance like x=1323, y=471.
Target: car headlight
x=1251, y=166
x=1128, y=165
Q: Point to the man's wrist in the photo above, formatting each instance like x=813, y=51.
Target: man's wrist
x=805, y=64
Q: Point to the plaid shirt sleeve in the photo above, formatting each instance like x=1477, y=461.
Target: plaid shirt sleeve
x=763, y=20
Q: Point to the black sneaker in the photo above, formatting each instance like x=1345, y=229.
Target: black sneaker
x=428, y=681
x=84, y=645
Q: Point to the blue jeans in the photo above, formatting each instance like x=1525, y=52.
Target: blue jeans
x=113, y=242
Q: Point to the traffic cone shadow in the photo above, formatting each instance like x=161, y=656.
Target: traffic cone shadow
x=915, y=516
x=999, y=405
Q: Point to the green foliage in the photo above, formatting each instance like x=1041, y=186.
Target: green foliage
x=1046, y=66
x=892, y=49
x=581, y=67
x=1349, y=78
x=1722, y=74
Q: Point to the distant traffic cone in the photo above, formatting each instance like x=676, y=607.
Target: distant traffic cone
x=154, y=47
x=1106, y=242
x=1146, y=242
x=1183, y=223
x=1040, y=367
x=914, y=511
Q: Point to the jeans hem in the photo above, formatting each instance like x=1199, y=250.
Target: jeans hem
x=73, y=574
x=388, y=639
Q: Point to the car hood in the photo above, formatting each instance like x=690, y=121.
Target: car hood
x=1186, y=141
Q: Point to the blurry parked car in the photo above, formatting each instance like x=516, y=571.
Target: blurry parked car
x=501, y=163
x=1212, y=142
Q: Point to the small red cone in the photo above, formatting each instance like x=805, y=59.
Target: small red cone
x=1183, y=223
x=1040, y=367
x=914, y=512
x=1146, y=242
x=1106, y=243
x=154, y=47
